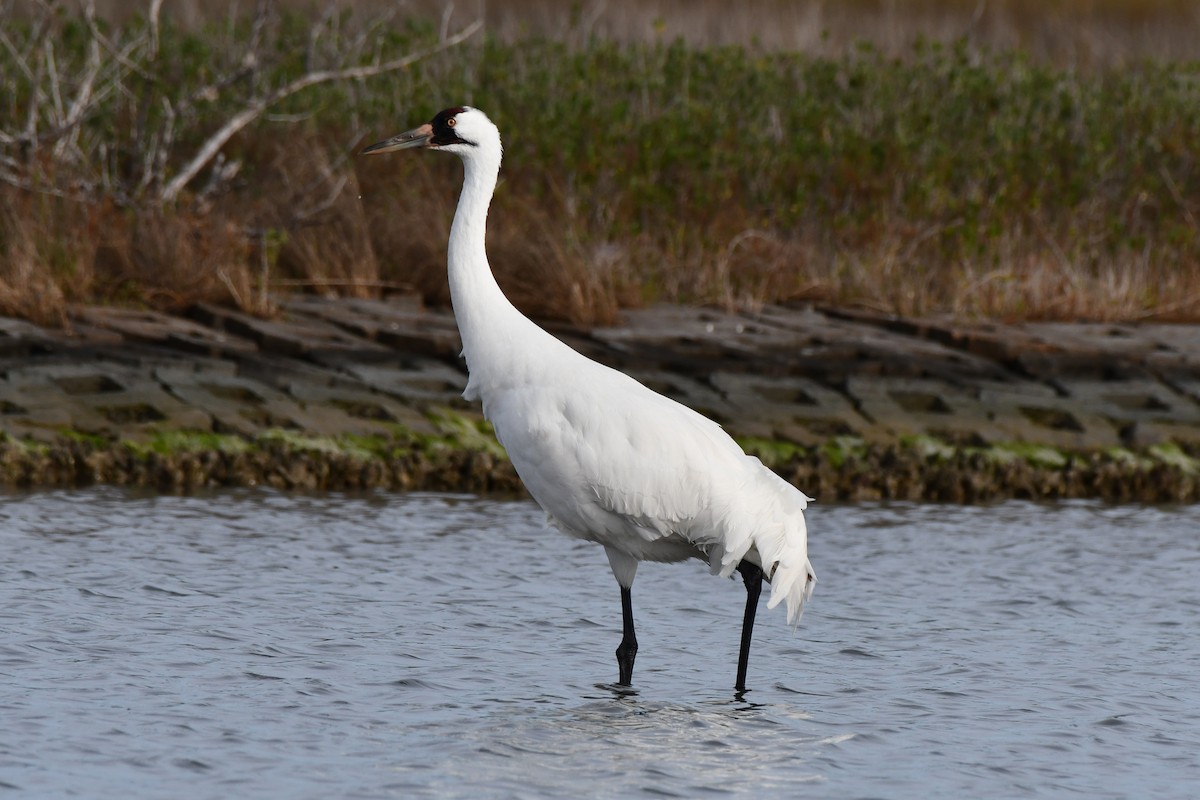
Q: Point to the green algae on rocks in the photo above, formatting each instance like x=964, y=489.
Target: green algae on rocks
x=465, y=457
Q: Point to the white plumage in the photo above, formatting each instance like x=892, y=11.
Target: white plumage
x=609, y=460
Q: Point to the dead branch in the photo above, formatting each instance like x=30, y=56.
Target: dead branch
x=121, y=55
x=118, y=72
x=82, y=101
x=303, y=215
x=210, y=148
x=155, y=9
x=18, y=59
x=57, y=113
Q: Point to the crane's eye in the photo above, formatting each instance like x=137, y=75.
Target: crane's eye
x=451, y=122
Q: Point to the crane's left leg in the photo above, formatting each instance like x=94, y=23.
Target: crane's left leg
x=753, y=576
x=627, y=651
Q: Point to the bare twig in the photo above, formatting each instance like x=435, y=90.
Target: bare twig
x=16, y=55
x=41, y=29
x=165, y=142
x=152, y=16
x=1178, y=197
x=82, y=101
x=314, y=37
x=328, y=172
x=121, y=55
x=35, y=102
x=225, y=279
x=303, y=215
x=222, y=173
x=58, y=112
x=371, y=32
x=22, y=182
x=1167, y=309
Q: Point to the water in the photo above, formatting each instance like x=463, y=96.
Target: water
x=259, y=645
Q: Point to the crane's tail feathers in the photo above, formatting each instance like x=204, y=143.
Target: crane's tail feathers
x=793, y=585
x=778, y=543
x=791, y=578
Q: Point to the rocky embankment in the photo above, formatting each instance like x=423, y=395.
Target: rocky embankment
x=354, y=394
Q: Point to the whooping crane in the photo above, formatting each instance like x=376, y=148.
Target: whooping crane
x=609, y=460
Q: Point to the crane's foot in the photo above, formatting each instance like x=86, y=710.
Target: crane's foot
x=626, y=653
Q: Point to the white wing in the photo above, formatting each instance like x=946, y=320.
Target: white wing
x=612, y=461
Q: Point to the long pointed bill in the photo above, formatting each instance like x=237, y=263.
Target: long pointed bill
x=417, y=137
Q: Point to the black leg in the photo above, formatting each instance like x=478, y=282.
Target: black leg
x=753, y=576
x=627, y=651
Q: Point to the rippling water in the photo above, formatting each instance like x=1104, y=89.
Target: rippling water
x=254, y=645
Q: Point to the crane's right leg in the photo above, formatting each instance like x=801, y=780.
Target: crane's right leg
x=627, y=650
x=752, y=574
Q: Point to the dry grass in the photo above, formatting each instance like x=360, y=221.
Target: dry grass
x=57, y=251
x=27, y=288
x=408, y=204
x=912, y=181
x=308, y=224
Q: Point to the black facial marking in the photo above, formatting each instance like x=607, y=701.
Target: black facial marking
x=443, y=132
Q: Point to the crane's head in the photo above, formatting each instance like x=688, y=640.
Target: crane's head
x=462, y=130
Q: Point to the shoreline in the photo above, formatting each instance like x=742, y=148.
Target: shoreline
x=346, y=395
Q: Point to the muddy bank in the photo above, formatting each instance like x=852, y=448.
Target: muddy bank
x=353, y=394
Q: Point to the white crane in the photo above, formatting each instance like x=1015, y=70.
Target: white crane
x=609, y=460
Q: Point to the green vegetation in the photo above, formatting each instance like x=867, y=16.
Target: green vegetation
x=463, y=431
x=1172, y=455
x=843, y=469
x=950, y=180
x=946, y=178
x=1035, y=454
x=187, y=461
x=457, y=432
x=172, y=442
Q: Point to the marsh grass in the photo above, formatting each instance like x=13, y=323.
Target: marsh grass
x=911, y=175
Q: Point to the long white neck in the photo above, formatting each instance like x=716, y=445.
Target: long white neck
x=489, y=324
